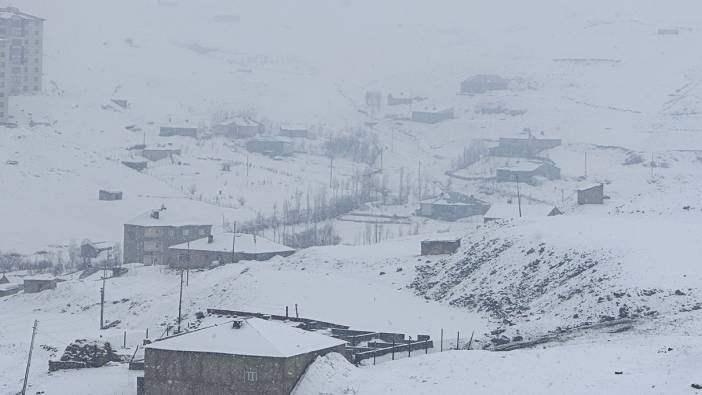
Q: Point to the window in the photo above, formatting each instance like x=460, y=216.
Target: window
x=186, y=232
x=171, y=232
x=201, y=232
x=152, y=232
x=251, y=375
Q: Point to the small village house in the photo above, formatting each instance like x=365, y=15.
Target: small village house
x=148, y=236
x=36, y=285
x=432, y=115
x=528, y=172
x=9, y=289
x=526, y=147
x=591, y=194
x=271, y=146
x=226, y=248
x=154, y=154
x=109, y=195
x=483, y=83
x=440, y=247
x=294, y=131
x=135, y=165
x=238, y=128
x=122, y=103
x=512, y=211
x=4, y=280
x=248, y=357
x=93, y=250
x=452, y=206
x=398, y=100
x=170, y=131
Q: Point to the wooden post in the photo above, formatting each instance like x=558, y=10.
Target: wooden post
x=234, y=243
x=426, y=346
x=297, y=315
x=286, y=312
x=147, y=333
x=375, y=351
x=470, y=342
x=180, y=300
x=29, y=358
x=409, y=347
x=442, y=339
x=458, y=339
x=393, y=348
x=124, y=341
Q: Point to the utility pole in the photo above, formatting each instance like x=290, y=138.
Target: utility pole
x=102, y=297
x=585, y=164
x=247, y=165
x=180, y=300
x=29, y=358
x=331, y=170
x=187, y=277
x=419, y=180
x=519, y=197
x=233, y=242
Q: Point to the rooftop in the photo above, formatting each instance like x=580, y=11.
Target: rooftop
x=13, y=12
x=256, y=337
x=508, y=211
x=589, y=186
x=168, y=217
x=245, y=243
x=522, y=166
x=240, y=121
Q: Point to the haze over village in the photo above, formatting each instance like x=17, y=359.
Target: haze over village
x=350, y=197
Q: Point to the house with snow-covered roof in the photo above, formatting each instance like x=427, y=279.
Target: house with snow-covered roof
x=148, y=236
x=226, y=248
x=244, y=356
x=238, y=127
x=451, y=206
x=432, y=115
x=527, y=171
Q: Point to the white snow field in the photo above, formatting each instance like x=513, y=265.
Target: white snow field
x=612, y=287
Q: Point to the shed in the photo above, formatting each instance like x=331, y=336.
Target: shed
x=591, y=194
x=270, y=146
x=512, y=211
x=432, y=115
x=247, y=357
x=522, y=147
x=203, y=252
x=154, y=154
x=294, y=131
x=170, y=131
x=483, y=83
x=440, y=247
x=452, y=206
x=238, y=127
x=527, y=171
x=109, y=195
x=35, y=285
x=8, y=289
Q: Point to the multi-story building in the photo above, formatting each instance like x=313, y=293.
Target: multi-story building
x=22, y=62
x=4, y=52
x=148, y=236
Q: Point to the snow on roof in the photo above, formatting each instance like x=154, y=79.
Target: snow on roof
x=256, y=337
x=522, y=166
x=245, y=243
x=12, y=12
x=168, y=217
x=9, y=286
x=589, y=186
x=295, y=127
x=240, y=121
x=508, y=211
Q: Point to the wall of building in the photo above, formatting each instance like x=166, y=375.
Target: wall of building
x=593, y=195
x=203, y=259
x=149, y=245
x=440, y=247
x=25, y=54
x=34, y=286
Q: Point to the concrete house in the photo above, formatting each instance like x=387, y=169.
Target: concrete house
x=440, y=247
x=432, y=115
x=148, y=236
x=109, y=195
x=24, y=39
x=247, y=357
x=400, y=100
x=518, y=147
x=270, y=146
x=170, y=131
x=293, y=131
x=154, y=154
x=528, y=171
x=238, y=128
x=483, y=83
x=592, y=194
x=36, y=285
x=218, y=248
x=452, y=206
x=511, y=211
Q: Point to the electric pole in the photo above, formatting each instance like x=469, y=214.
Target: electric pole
x=585, y=164
x=29, y=358
x=331, y=170
x=519, y=197
x=233, y=242
x=180, y=300
x=102, y=297
x=187, y=277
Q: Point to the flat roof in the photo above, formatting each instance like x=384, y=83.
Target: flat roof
x=522, y=166
x=590, y=186
x=12, y=12
x=244, y=243
x=256, y=337
x=508, y=211
x=169, y=217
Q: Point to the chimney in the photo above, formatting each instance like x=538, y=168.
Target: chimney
x=237, y=324
x=210, y=239
x=155, y=214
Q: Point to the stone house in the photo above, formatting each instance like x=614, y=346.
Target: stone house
x=452, y=206
x=512, y=211
x=109, y=195
x=148, y=236
x=154, y=154
x=483, y=83
x=246, y=357
x=170, y=131
x=36, y=285
x=593, y=194
x=218, y=248
x=292, y=131
x=528, y=171
x=432, y=115
x=518, y=147
x=238, y=128
x=270, y=146
x=440, y=247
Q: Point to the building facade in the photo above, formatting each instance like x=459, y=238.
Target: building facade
x=24, y=58
x=527, y=172
x=593, y=194
x=148, y=236
x=440, y=247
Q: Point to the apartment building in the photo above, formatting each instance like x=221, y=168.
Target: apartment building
x=22, y=61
